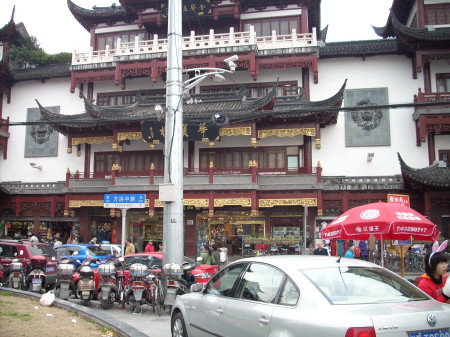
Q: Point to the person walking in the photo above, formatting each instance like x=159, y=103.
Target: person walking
x=350, y=253
x=434, y=282
x=216, y=254
x=364, y=252
x=320, y=250
x=149, y=247
x=93, y=240
x=130, y=248
x=206, y=255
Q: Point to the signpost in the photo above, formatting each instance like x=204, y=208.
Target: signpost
x=124, y=202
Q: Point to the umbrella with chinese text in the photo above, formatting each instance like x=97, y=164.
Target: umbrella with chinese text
x=385, y=221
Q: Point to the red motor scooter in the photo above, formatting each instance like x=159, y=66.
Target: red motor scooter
x=36, y=279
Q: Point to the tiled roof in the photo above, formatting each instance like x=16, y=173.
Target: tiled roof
x=201, y=108
x=359, y=48
x=44, y=72
x=431, y=176
x=96, y=15
x=422, y=34
x=401, y=9
x=127, y=12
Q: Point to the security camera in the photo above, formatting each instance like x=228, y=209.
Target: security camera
x=230, y=61
x=232, y=58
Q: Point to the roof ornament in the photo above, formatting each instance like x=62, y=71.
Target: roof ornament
x=13, y=12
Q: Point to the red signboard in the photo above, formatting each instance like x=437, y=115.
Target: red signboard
x=399, y=199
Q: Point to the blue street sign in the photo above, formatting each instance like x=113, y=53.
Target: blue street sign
x=124, y=201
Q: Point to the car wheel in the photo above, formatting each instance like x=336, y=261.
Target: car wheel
x=179, y=326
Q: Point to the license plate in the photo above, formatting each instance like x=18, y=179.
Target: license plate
x=49, y=269
x=85, y=293
x=36, y=280
x=431, y=333
x=171, y=291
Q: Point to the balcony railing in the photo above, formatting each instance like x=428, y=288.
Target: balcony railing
x=252, y=172
x=140, y=49
x=423, y=97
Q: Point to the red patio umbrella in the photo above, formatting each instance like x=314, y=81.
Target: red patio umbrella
x=385, y=221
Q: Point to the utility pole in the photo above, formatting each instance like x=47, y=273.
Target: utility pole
x=173, y=221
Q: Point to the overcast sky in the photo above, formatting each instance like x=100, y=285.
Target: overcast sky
x=56, y=30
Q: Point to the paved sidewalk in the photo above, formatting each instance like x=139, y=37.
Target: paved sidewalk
x=147, y=322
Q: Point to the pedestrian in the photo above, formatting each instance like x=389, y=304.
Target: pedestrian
x=74, y=239
x=149, y=247
x=216, y=254
x=206, y=255
x=57, y=242
x=434, y=282
x=34, y=239
x=93, y=240
x=350, y=253
x=130, y=248
x=320, y=250
x=364, y=252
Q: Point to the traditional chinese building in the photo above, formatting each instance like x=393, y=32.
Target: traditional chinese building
x=300, y=132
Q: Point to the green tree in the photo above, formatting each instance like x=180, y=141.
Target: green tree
x=28, y=54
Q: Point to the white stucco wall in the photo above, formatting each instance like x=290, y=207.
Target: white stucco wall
x=392, y=72
x=54, y=92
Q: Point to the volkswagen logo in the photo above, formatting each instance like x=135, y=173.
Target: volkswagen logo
x=431, y=319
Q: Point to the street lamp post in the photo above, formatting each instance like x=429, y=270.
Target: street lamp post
x=173, y=229
x=171, y=192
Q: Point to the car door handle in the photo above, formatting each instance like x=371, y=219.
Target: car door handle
x=219, y=311
x=263, y=321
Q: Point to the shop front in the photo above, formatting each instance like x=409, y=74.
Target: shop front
x=229, y=229
x=141, y=228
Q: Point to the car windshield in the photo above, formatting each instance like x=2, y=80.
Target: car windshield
x=97, y=251
x=42, y=250
x=357, y=285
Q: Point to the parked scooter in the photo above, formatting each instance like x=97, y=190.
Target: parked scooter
x=86, y=284
x=137, y=290
x=64, y=284
x=108, y=289
x=16, y=278
x=36, y=279
x=178, y=280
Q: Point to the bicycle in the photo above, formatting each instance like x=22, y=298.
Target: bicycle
x=156, y=293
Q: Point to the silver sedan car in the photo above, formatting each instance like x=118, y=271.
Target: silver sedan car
x=315, y=296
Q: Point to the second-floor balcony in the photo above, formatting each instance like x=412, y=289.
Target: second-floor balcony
x=210, y=179
x=230, y=42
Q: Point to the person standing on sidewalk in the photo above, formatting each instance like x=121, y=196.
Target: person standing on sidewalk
x=130, y=248
x=350, y=252
x=320, y=250
x=434, y=282
x=216, y=254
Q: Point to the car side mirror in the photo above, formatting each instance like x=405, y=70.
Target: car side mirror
x=196, y=288
x=21, y=252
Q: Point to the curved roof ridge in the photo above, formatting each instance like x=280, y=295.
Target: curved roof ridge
x=433, y=175
x=439, y=34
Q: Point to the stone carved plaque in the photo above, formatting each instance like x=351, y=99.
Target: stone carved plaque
x=369, y=126
x=40, y=139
